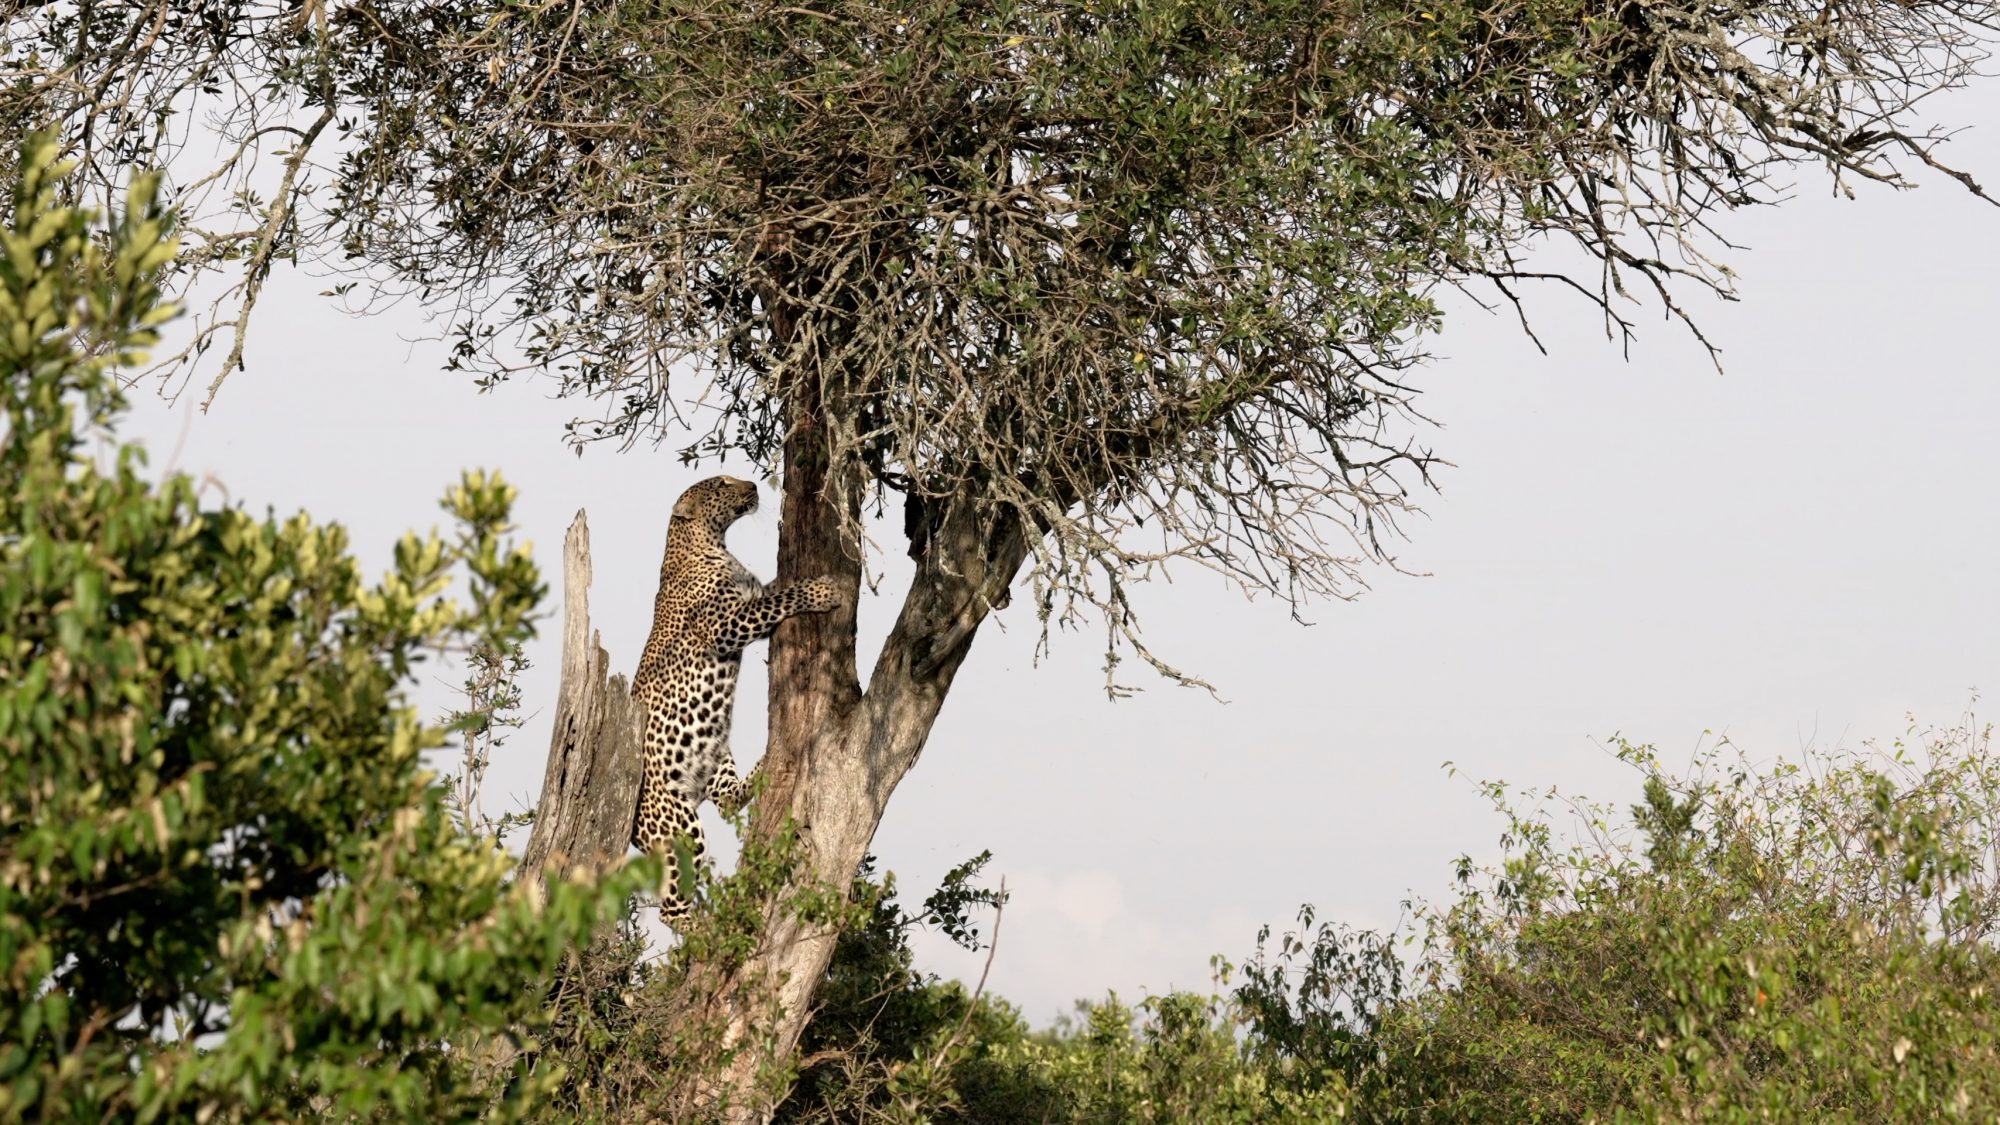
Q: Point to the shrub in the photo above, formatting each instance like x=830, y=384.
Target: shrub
x=228, y=890
x=1806, y=941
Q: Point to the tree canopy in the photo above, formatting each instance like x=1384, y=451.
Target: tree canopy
x=1137, y=281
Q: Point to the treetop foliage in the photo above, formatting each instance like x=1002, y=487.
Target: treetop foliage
x=1137, y=281
x=1143, y=275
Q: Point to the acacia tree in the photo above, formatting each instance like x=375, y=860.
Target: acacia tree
x=1092, y=287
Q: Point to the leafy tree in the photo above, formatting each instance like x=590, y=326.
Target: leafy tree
x=1096, y=287
x=228, y=890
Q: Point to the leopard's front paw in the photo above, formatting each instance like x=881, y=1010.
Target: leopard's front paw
x=821, y=595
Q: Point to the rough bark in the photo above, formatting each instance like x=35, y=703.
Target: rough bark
x=836, y=753
x=590, y=790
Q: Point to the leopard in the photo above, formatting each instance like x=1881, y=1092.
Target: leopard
x=709, y=608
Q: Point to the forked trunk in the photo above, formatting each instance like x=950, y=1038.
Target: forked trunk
x=835, y=752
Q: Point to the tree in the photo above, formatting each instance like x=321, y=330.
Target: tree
x=227, y=887
x=1095, y=287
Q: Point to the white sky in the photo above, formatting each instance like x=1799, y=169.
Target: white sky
x=1797, y=551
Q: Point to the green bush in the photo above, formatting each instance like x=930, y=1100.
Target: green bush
x=1794, y=942
x=886, y=1039
x=1175, y=1058
x=890, y=1044
x=228, y=890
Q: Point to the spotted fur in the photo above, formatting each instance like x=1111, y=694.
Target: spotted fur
x=708, y=609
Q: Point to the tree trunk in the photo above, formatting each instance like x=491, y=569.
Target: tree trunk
x=590, y=788
x=835, y=753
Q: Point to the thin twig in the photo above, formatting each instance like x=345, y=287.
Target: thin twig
x=979, y=991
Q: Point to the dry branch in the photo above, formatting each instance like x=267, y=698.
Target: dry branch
x=590, y=790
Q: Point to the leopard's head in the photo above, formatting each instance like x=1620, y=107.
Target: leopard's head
x=716, y=503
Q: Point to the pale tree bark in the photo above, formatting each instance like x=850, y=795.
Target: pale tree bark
x=590, y=788
x=590, y=784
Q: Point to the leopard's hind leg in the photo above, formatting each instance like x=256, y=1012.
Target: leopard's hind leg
x=665, y=817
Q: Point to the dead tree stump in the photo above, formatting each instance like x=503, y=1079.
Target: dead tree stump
x=590, y=790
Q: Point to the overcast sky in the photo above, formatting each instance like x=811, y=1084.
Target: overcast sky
x=1798, y=551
